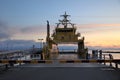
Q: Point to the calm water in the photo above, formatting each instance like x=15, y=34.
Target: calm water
x=72, y=48
x=116, y=55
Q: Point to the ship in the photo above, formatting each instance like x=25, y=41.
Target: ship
x=64, y=33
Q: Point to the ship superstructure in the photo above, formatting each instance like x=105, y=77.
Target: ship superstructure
x=65, y=33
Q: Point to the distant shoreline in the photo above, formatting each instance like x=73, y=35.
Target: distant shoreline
x=111, y=51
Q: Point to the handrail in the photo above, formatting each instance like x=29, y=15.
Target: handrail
x=67, y=61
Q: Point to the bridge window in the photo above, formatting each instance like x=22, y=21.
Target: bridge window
x=64, y=30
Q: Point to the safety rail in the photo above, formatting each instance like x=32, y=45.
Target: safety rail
x=99, y=54
x=116, y=61
x=61, y=61
x=89, y=61
x=107, y=57
x=10, y=63
x=25, y=61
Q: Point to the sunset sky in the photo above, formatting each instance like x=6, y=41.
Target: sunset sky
x=97, y=20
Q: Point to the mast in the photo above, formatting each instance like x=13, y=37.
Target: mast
x=65, y=21
x=48, y=30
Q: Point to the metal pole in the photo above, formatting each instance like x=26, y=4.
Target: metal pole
x=104, y=60
x=100, y=54
x=110, y=56
x=40, y=42
x=41, y=48
x=116, y=65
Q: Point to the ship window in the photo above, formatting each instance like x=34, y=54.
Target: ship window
x=64, y=30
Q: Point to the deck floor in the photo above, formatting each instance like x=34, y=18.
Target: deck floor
x=71, y=71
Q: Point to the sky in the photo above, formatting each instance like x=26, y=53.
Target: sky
x=25, y=20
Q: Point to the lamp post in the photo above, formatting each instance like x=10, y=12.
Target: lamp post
x=41, y=48
x=40, y=43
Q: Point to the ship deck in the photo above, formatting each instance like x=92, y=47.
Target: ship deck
x=57, y=71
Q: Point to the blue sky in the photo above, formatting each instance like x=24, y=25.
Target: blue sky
x=95, y=19
x=34, y=12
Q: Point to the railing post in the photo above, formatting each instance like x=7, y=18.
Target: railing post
x=116, y=65
x=6, y=66
x=25, y=56
x=100, y=54
x=104, y=60
x=111, y=58
x=20, y=59
x=87, y=55
x=110, y=64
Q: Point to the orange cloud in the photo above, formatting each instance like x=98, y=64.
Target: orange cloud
x=103, y=39
x=97, y=25
x=104, y=35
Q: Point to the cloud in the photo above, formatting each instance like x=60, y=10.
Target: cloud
x=20, y=32
x=4, y=35
x=82, y=26
x=91, y=28
x=102, y=48
x=33, y=29
x=4, y=31
x=26, y=36
x=19, y=41
x=31, y=32
x=18, y=44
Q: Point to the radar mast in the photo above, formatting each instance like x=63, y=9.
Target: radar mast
x=65, y=21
